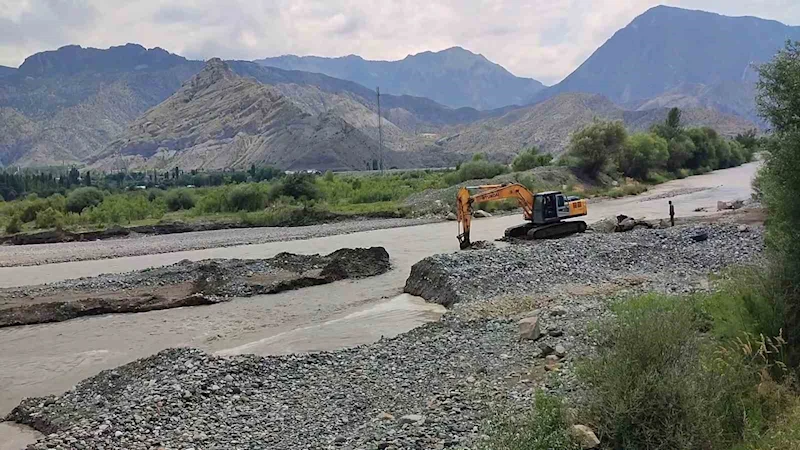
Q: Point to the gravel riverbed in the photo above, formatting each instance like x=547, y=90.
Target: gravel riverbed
x=431, y=388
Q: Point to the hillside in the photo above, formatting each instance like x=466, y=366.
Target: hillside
x=549, y=124
x=454, y=77
x=7, y=71
x=74, y=101
x=219, y=119
x=692, y=57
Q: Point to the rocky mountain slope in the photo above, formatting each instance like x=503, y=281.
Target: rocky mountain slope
x=7, y=71
x=455, y=77
x=680, y=57
x=74, y=101
x=549, y=124
x=219, y=119
x=65, y=106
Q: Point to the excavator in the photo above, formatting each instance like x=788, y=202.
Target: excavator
x=544, y=211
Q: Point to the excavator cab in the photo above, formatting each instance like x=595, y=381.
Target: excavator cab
x=550, y=207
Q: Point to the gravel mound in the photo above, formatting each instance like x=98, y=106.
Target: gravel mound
x=429, y=388
x=670, y=255
x=186, y=283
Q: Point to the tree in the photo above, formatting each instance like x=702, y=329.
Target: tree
x=674, y=119
x=74, y=177
x=681, y=149
x=531, y=158
x=642, y=153
x=671, y=128
x=83, y=198
x=87, y=179
x=595, y=145
x=779, y=181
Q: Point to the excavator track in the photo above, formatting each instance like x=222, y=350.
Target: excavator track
x=556, y=230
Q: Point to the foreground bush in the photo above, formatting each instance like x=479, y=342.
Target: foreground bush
x=298, y=186
x=658, y=383
x=543, y=428
x=247, y=197
x=14, y=225
x=49, y=218
x=83, y=198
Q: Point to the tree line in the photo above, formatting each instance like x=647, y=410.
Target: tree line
x=667, y=148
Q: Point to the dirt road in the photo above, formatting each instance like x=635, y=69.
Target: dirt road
x=44, y=359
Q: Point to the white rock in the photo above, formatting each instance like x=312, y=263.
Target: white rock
x=561, y=351
x=413, y=418
x=451, y=216
x=481, y=214
x=585, y=436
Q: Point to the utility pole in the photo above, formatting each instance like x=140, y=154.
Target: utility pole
x=380, y=132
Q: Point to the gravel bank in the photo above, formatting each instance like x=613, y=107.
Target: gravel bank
x=431, y=388
x=186, y=283
x=30, y=255
x=669, y=256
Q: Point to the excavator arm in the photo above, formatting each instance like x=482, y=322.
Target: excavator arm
x=487, y=193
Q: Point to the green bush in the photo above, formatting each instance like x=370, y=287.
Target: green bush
x=681, y=149
x=658, y=383
x=299, y=186
x=543, y=428
x=14, y=226
x=179, y=199
x=475, y=170
x=530, y=159
x=49, y=218
x=641, y=153
x=82, y=198
x=593, y=147
x=247, y=197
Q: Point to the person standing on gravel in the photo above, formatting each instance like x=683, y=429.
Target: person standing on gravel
x=671, y=213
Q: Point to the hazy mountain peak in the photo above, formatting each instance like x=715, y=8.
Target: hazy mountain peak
x=455, y=77
x=71, y=59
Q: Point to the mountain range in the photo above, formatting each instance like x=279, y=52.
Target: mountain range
x=676, y=57
x=454, y=77
x=129, y=106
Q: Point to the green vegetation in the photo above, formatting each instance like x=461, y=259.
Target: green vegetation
x=594, y=147
x=659, y=382
x=544, y=428
x=82, y=198
x=667, y=151
x=477, y=169
x=530, y=159
x=179, y=199
x=779, y=180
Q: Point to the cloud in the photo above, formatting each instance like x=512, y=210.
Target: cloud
x=541, y=39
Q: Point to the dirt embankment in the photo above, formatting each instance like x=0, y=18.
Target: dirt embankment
x=186, y=283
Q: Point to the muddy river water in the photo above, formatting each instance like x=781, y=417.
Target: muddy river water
x=51, y=358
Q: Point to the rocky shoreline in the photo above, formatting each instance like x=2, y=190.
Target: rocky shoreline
x=185, y=283
x=435, y=387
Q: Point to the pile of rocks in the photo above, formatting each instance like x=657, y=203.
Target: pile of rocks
x=430, y=388
x=669, y=258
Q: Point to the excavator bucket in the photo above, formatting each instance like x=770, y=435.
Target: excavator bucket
x=463, y=240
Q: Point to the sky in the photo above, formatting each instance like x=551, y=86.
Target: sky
x=542, y=39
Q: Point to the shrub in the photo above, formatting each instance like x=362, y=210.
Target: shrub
x=14, y=226
x=154, y=194
x=247, y=197
x=594, y=146
x=179, y=199
x=641, y=153
x=681, y=149
x=657, y=383
x=530, y=159
x=299, y=186
x=49, y=218
x=475, y=170
x=543, y=428
x=82, y=198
